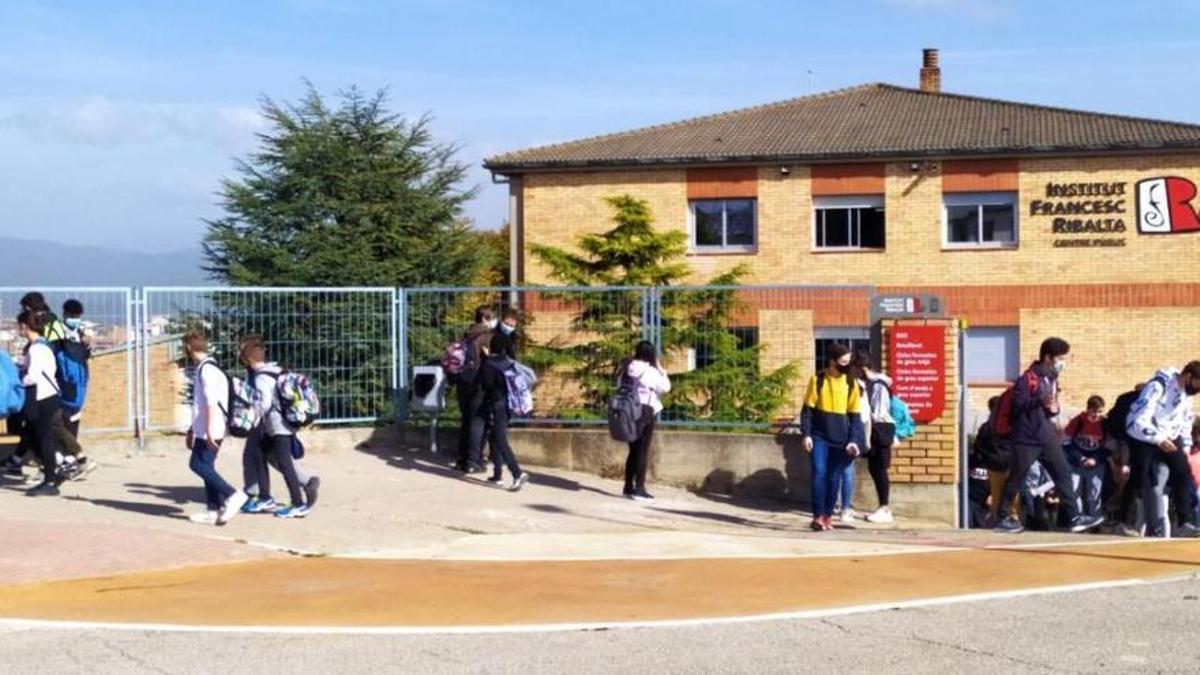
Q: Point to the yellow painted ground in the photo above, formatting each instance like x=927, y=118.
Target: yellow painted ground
x=353, y=592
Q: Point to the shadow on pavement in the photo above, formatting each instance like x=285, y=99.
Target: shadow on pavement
x=178, y=494
x=159, y=510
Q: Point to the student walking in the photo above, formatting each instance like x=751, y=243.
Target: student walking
x=649, y=381
x=470, y=395
x=832, y=428
x=1034, y=438
x=1086, y=451
x=210, y=410
x=74, y=354
x=271, y=443
x=41, y=401
x=1160, y=432
x=494, y=385
x=844, y=502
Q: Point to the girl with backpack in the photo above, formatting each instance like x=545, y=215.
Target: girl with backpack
x=881, y=437
x=41, y=400
x=833, y=431
x=470, y=397
x=650, y=381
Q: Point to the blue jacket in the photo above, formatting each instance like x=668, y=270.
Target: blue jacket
x=1032, y=422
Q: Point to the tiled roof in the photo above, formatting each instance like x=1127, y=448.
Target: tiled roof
x=863, y=122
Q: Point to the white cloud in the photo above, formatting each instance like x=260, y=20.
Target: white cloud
x=102, y=122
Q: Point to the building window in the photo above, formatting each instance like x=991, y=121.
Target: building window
x=854, y=338
x=703, y=355
x=724, y=224
x=981, y=220
x=992, y=355
x=849, y=223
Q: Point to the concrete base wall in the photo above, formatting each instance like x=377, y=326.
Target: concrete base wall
x=743, y=465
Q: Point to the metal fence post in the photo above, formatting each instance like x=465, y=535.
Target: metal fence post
x=400, y=354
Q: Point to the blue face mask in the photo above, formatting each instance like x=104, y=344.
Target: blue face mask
x=73, y=324
x=507, y=329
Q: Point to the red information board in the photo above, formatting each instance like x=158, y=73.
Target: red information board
x=918, y=368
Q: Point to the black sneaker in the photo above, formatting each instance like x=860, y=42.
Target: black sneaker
x=495, y=479
x=476, y=468
x=1082, y=523
x=642, y=496
x=1010, y=525
x=14, y=469
x=310, y=491
x=43, y=490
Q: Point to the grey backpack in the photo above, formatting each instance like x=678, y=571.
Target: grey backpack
x=624, y=412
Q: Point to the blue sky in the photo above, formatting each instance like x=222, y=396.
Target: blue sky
x=118, y=119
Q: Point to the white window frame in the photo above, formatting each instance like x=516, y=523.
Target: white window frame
x=693, y=247
x=848, y=202
x=980, y=200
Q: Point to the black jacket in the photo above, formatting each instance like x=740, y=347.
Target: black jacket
x=1032, y=421
x=492, y=382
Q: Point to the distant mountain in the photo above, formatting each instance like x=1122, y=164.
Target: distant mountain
x=28, y=263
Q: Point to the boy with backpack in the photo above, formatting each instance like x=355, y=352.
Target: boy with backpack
x=1087, y=453
x=494, y=380
x=1026, y=412
x=210, y=419
x=1160, y=432
x=73, y=354
x=462, y=362
x=270, y=443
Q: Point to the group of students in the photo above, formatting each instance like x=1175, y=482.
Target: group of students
x=53, y=371
x=271, y=441
x=1027, y=473
x=850, y=412
x=484, y=370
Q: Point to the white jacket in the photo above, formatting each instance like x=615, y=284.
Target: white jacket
x=1162, y=413
x=651, y=382
x=40, y=370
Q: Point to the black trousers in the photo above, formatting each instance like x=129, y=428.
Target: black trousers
x=1055, y=460
x=473, y=426
x=38, y=433
x=1141, y=483
x=502, y=452
x=638, y=460
x=878, y=462
x=1179, y=483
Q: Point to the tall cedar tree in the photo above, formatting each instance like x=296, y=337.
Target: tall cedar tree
x=347, y=196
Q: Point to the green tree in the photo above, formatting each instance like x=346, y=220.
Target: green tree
x=731, y=386
x=350, y=195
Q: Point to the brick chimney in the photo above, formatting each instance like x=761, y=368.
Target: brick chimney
x=931, y=74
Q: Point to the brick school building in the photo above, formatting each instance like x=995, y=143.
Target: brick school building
x=1027, y=220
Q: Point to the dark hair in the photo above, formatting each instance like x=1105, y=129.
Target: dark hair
x=645, y=352
x=1095, y=403
x=510, y=313
x=72, y=309
x=34, y=301
x=1053, y=347
x=1193, y=369
x=834, y=352
x=484, y=313
x=993, y=403
x=35, y=320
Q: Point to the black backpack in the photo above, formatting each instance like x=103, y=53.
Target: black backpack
x=1114, y=424
x=624, y=412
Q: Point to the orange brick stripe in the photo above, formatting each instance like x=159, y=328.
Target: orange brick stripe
x=997, y=175
x=847, y=179
x=433, y=593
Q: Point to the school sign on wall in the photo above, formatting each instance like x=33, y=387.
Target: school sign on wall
x=1086, y=215
x=917, y=364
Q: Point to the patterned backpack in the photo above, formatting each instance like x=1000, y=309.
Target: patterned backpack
x=244, y=407
x=298, y=400
x=521, y=380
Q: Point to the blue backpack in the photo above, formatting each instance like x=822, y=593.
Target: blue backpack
x=72, y=361
x=12, y=391
x=906, y=427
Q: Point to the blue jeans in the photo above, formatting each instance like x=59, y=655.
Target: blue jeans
x=828, y=469
x=846, y=486
x=204, y=464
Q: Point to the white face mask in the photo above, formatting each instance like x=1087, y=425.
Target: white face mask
x=507, y=329
x=491, y=324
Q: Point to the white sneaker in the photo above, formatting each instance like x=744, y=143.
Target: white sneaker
x=204, y=518
x=847, y=516
x=233, y=506
x=881, y=515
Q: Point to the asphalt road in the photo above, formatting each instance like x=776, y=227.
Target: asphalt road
x=1150, y=628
